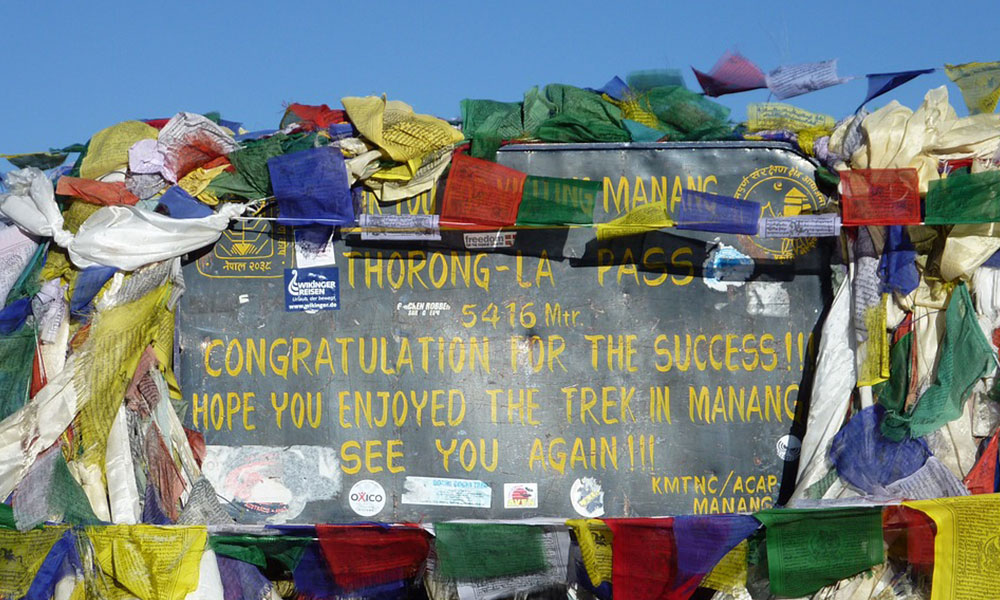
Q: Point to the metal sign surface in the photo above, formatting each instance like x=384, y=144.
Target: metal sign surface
x=514, y=373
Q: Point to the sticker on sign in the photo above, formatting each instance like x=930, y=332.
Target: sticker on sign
x=367, y=498
x=520, y=495
x=312, y=290
x=492, y=239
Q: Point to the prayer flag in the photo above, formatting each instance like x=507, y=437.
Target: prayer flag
x=554, y=201
x=701, y=211
x=964, y=198
x=880, y=83
x=481, y=192
x=788, y=81
x=644, y=560
x=979, y=82
x=484, y=550
x=311, y=187
x=732, y=73
x=361, y=556
x=96, y=192
x=808, y=549
x=880, y=197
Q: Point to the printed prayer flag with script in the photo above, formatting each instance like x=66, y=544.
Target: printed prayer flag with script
x=880, y=197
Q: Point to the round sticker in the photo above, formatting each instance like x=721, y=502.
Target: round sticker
x=788, y=447
x=367, y=498
x=587, y=497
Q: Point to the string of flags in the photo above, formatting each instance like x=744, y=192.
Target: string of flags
x=733, y=73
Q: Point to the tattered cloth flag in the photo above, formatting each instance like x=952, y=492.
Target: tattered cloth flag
x=868, y=460
x=285, y=550
x=964, y=198
x=148, y=561
x=732, y=73
x=880, y=197
x=595, y=540
x=554, y=201
x=241, y=581
x=982, y=479
x=62, y=559
x=808, y=549
x=897, y=268
x=702, y=541
x=880, y=83
x=96, y=192
x=484, y=550
x=17, y=352
x=23, y=554
x=481, y=192
x=312, y=117
x=788, y=81
x=979, y=82
x=39, y=160
x=965, y=355
x=311, y=187
x=701, y=211
x=367, y=555
x=644, y=560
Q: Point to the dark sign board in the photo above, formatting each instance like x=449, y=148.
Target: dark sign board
x=517, y=373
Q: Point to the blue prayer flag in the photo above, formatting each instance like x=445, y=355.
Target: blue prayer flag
x=880, y=83
x=311, y=187
x=701, y=211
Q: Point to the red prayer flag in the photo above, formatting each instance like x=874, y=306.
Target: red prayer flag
x=644, y=560
x=369, y=555
x=732, y=73
x=481, y=192
x=96, y=192
x=880, y=197
x=982, y=478
x=317, y=117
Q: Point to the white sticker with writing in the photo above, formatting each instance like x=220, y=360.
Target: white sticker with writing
x=441, y=491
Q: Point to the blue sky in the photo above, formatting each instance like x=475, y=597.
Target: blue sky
x=73, y=68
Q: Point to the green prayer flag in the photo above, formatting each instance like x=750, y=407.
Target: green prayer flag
x=554, y=201
x=808, y=549
x=7, y=517
x=484, y=550
x=67, y=498
x=250, y=162
x=29, y=281
x=964, y=198
x=17, y=353
x=892, y=393
x=695, y=116
x=227, y=185
x=965, y=355
x=581, y=116
x=39, y=160
x=256, y=549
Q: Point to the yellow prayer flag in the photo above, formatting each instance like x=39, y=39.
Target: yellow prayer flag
x=393, y=126
x=730, y=575
x=21, y=555
x=649, y=217
x=108, y=149
x=966, y=546
x=150, y=562
x=766, y=116
x=594, y=538
x=197, y=181
x=979, y=82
